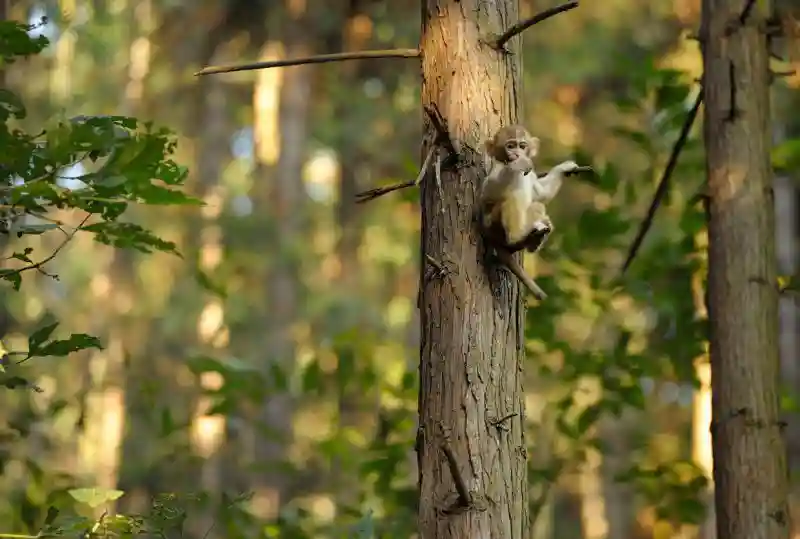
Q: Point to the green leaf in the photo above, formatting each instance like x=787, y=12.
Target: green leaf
x=23, y=256
x=788, y=283
x=95, y=497
x=10, y=105
x=208, y=284
x=76, y=341
x=156, y=195
x=52, y=514
x=312, y=377
x=14, y=382
x=12, y=276
x=130, y=236
x=588, y=418
x=39, y=336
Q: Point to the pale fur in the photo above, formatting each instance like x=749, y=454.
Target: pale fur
x=519, y=198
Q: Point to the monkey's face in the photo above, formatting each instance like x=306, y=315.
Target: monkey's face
x=512, y=142
x=516, y=148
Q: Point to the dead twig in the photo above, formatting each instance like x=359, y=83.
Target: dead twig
x=663, y=184
x=521, y=26
x=318, y=59
x=741, y=20
x=464, y=496
x=442, y=132
x=371, y=194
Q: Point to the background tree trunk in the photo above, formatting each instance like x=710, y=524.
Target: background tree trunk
x=749, y=452
x=471, y=318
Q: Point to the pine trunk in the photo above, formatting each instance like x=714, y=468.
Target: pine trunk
x=749, y=451
x=471, y=318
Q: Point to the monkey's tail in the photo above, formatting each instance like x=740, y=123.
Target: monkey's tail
x=508, y=259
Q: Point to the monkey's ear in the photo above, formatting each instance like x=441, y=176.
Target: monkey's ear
x=533, y=147
x=488, y=145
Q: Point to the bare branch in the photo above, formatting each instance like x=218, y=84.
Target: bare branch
x=663, y=184
x=319, y=59
x=442, y=132
x=39, y=266
x=366, y=196
x=536, y=19
x=464, y=496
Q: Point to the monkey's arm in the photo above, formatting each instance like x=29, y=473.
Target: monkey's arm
x=545, y=189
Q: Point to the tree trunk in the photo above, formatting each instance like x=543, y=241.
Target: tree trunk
x=286, y=200
x=471, y=319
x=749, y=452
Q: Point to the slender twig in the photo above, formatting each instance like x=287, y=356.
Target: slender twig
x=38, y=265
x=742, y=19
x=366, y=196
x=663, y=183
x=521, y=26
x=318, y=59
x=442, y=132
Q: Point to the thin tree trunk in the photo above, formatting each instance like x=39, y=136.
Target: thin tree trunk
x=749, y=451
x=593, y=504
x=213, y=152
x=702, y=453
x=284, y=199
x=471, y=317
x=356, y=408
x=107, y=399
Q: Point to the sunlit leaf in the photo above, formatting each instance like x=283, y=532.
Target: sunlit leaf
x=95, y=496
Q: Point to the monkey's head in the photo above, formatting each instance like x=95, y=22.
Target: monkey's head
x=512, y=142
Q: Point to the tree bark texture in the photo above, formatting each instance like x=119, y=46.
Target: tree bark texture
x=749, y=451
x=471, y=317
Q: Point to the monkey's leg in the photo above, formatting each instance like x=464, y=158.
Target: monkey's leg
x=508, y=259
x=513, y=216
x=540, y=229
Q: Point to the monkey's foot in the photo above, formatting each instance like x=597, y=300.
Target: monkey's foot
x=543, y=226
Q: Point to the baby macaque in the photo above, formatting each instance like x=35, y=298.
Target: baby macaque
x=513, y=214
x=507, y=193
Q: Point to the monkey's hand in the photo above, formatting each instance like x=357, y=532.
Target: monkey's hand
x=523, y=164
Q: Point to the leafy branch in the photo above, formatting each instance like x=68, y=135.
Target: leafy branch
x=93, y=165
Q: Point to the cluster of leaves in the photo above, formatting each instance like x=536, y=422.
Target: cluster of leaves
x=120, y=160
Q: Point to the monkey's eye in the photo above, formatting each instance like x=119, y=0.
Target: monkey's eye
x=523, y=145
x=511, y=145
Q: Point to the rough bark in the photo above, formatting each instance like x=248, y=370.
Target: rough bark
x=471, y=317
x=749, y=452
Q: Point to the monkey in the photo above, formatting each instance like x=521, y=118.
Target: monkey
x=512, y=211
x=507, y=192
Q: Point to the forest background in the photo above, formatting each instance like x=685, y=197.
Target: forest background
x=264, y=383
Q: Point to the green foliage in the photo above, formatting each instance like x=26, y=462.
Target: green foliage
x=123, y=162
x=674, y=489
x=612, y=360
